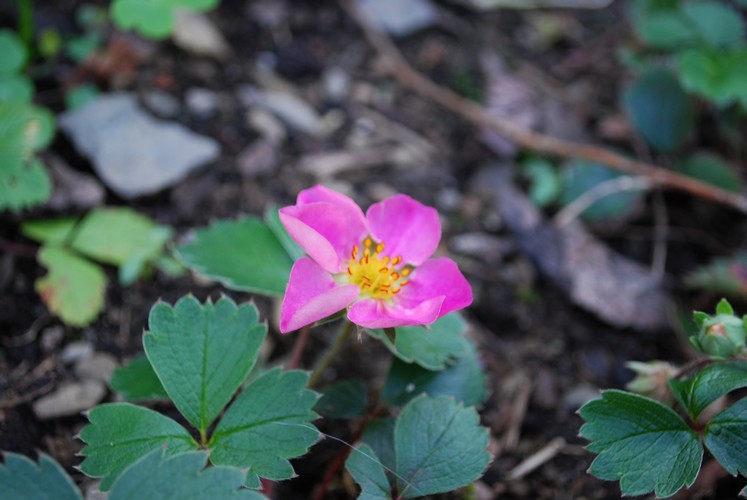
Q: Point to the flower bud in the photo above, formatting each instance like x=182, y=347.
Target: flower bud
x=652, y=379
x=722, y=335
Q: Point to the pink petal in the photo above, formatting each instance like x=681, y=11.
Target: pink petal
x=370, y=313
x=312, y=295
x=437, y=278
x=320, y=193
x=406, y=227
x=324, y=231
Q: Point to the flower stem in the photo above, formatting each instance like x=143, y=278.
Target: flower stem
x=332, y=351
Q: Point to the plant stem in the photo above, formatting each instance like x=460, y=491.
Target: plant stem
x=26, y=22
x=326, y=360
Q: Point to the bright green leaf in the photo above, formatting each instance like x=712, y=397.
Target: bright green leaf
x=267, y=424
x=716, y=24
x=642, y=443
x=73, y=289
x=546, y=184
x=582, y=176
x=709, y=384
x=346, y=399
x=23, y=479
x=49, y=231
x=244, y=255
x=666, y=30
x=717, y=75
x=202, y=353
x=366, y=469
x=430, y=347
x=120, y=434
x=151, y=18
x=81, y=95
x=713, y=170
x=23, y=185
x=272, y=219
x=723, y=307
x=660, y=109
x=439, y=445
x=25, y=128
x=164, y=476
x=464, y=380
x=16, y=88
x=726, y=438
x=13, y=51
x=136, y=381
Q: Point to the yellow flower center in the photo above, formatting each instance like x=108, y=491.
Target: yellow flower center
x=377, y=276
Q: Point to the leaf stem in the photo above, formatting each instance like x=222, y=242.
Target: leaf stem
x=332, y=351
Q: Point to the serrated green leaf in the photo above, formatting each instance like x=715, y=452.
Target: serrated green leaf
x=23, y=185
x=55, y=231
x=13, y=51
x=346, y=399
x=642, y=443
x=136, y=381
x=267, y=424
x=439, y=445
x=726, y=438
x=163, y=476
x=272, y=219
x=582, y=176
x=366, y=469
x=73, y=289
x=660, y=109
x=716, y=24
x=119, y=434
x=202, y=353
x=463, y=379
x=709, y=384
x=713, y=170
x=430, y=347
x=379, y=434
x=15, y=88
x=25, y=128
x=22, y=479
x=244, y=255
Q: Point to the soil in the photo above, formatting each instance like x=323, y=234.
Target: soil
x=544, y=356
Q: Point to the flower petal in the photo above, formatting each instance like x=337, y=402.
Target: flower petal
x=312, y=295
x=320, y=193
x=437, y=278
x=370, y=313
x=406, y=227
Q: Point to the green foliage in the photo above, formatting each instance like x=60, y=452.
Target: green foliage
x=13, y=51
x=712, y=170
x=546, y=183
x=726, y=438
x=22, y=479
x=153, y=18
x=345, y=399
x=202, y=353
x=430, y=347
x=719, y=76
x=709, y=384
x=660, y=109
x=367, y=471
x=244, y=255
x=78, y=97
x=136, y=381
x=642, y=443
x=581, y=176
x=723, y=276
x=722, y=335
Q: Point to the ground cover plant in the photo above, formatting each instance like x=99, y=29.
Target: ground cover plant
x=367, y=249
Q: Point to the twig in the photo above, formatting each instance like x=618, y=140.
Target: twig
x=539, y=458
x=299, y=347
x=529, y=139
x=601, y=190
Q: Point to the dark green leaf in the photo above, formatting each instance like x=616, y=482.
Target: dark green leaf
x=244, y=255
x=713, y=170
x=716, y=24
x=379, y=434
x=202, y=353
x=709, y=384
x=136, y=381
x=726, y=438
x=120, y=434
x=439, y=445
x=666, y=30
x=267, y=424
x=13, y=51
x=582, y=176
x=272, y=219
x=642, y=443
x=346, y=399
x=23, y=479
x=366, y=469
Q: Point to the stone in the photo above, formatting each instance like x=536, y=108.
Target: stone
x=72, y=189
x=336, y=84
x=98, y=367
x=69, y=399
x=201, y=102
x=400, y=17
x=291, y=109
x=76, y=351
x=196, y=33
x=161, y=103
x=259, y=158
x=133, y=153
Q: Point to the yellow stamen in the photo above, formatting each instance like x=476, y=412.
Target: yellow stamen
x=376, y=275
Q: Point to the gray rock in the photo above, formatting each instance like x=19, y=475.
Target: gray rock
x=202, y=103
x=133, y=153
x=72, y=189
x=336, y=84
x=161, y=103
x=69, y=399
x=291, y=109
x=259, y=158
x=401, y=17
x=51, y=337
x=196, y=33
x=98, y=367
x=76, y=351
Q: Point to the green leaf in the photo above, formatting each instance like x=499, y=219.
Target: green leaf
x=721, y=276
x=73, y=289
x=430, y=347
x=24, y=128
x=78, y=97
x=439, y=445
x=723, y=307
x=13, y=51
x=581, y=176
x=366, y=469
x=346, y=399
x=23, y=185
x=642, y=443
x=379, y=434
x=709, y=384
x=717, y=75
x=726, y=438
x=202, y=353
x=23, y=479
x=463, y=379
x=660, y=109
x=267, y=424
x=54, y=231
x=166, y=476
x=120, y=434
x=716, y=24
x=116, y=235
x=711, y=169
x=546, y=183
x=272, y=219
x=153, y=18
x=79, y=48
x=666, y=30
x=16, y=88
x=136, y=381
x=244, y=255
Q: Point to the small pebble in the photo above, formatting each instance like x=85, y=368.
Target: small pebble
x=98, y=367
x=76, y=351
x=69, y=399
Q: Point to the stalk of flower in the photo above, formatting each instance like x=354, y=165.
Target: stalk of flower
x=377, y=266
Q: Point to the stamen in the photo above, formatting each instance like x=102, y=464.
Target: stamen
x=395, y=275
x=396, y=290
x=406, y=271
x=384, y=270
x=379, y=248
x=404, y=283
x=350, y=272
x=368, y=242
x=355, y=252
x=397, y=260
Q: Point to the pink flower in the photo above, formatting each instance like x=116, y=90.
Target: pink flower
x=378, y=266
